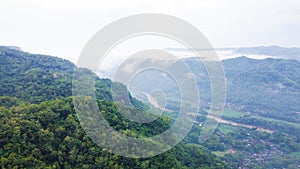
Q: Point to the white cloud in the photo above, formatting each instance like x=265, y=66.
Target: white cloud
x=62, y=27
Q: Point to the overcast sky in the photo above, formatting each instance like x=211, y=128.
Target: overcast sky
x=62, y=27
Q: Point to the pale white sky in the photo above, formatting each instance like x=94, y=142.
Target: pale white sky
x=62, y=27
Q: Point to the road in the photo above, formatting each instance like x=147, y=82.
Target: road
x=154, y=103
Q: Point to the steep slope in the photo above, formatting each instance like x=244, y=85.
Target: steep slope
x=47, y=134
x=268, y=87
x=36, y=78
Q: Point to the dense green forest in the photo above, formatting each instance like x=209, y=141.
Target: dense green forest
x=267, y=87
x=48, y=135
x=263, y=94
x=39, y=127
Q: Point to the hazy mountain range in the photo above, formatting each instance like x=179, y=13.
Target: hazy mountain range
x=39, y=127
x=258, y=52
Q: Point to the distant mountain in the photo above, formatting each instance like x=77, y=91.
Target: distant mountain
x=275, y=51
x=259, y=52
x=14, y=48
x=269, y=87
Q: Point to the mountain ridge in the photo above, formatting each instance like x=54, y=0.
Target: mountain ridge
x=39, y=127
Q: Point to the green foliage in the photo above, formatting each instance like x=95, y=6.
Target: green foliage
x=37, y=78
x=269, y=87
x=48, y=135
x=38, y=133
x=34, y=78
x=7, y=101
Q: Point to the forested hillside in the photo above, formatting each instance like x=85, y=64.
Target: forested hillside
x=39, y=127
x=260, y=125
x=269, y=87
